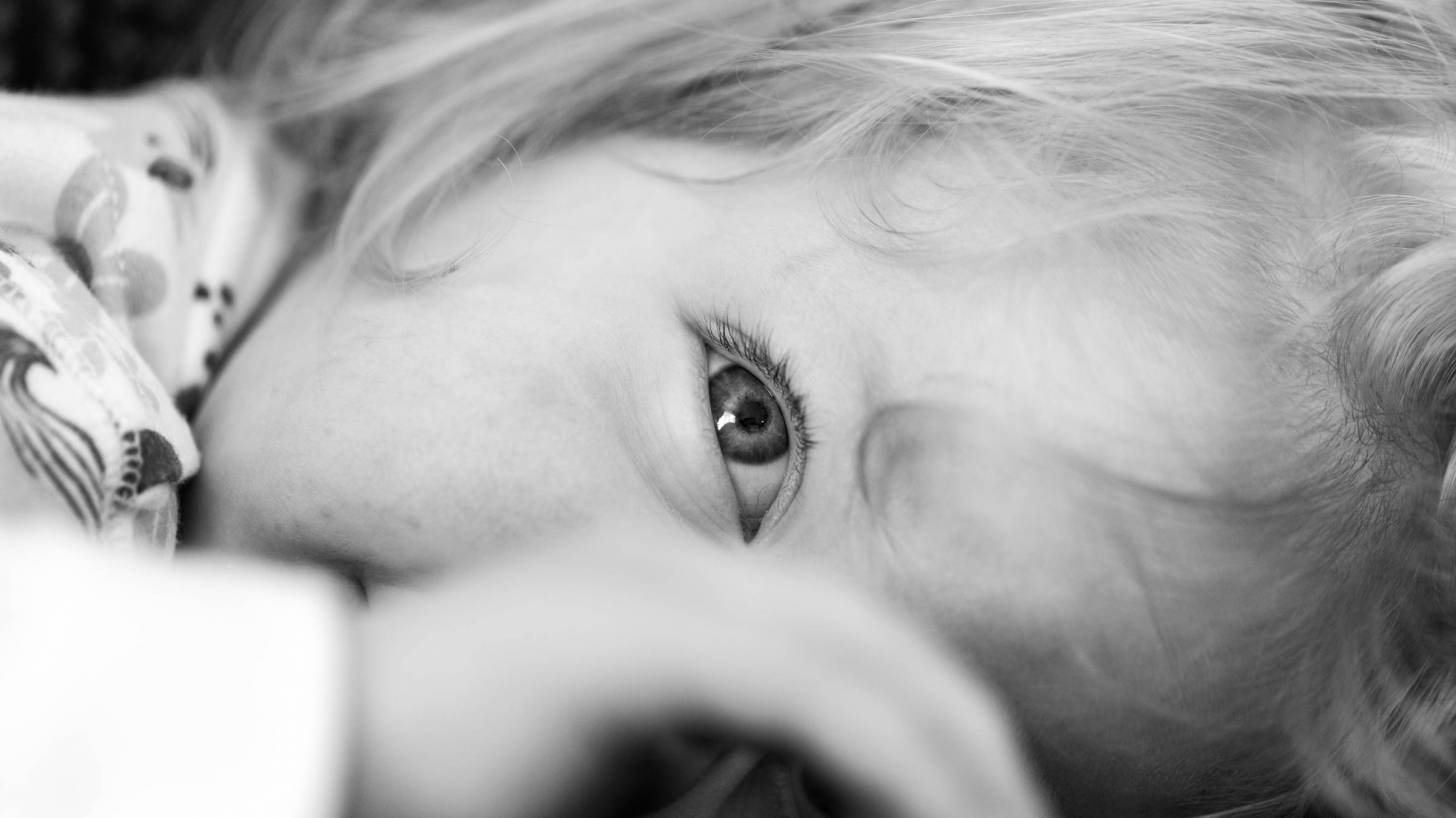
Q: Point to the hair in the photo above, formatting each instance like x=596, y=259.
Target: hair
x=1163, y=126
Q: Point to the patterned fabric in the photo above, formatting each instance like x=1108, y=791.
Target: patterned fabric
x=136, y=234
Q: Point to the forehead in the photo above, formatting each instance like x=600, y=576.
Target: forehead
x=923, y=285
x=1165, y=362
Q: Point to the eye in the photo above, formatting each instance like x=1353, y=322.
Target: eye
x=755, y=437
x=759, y=419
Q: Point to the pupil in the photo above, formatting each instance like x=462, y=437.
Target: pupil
x=752, y=415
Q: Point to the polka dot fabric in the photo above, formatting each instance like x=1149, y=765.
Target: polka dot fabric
x=136, y=234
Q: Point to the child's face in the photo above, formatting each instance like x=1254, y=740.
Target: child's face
x=954, y=400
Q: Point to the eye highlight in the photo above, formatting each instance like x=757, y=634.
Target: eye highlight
x=758, y=420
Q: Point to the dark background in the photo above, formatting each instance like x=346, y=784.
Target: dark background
x=104, y=45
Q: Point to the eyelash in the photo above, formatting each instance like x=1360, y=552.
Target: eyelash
x=753, y=349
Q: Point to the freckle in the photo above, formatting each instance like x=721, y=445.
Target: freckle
x=153, y=140
x=209, y=361
x=201, y=293
x=217, y=319
x=226, y=293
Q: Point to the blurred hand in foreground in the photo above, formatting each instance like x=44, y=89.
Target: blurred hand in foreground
x=538, y=686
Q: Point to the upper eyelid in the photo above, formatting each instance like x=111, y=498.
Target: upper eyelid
x=733, y=340
x=752, y=348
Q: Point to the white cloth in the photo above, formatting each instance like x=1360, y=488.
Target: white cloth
x=133, y=688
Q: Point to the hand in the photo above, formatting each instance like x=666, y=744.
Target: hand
x=519, y=689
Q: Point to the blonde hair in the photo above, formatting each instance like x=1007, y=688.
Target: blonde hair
x=1157, y=120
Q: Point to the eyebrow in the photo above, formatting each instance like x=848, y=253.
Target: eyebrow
x=899, y=449
x=916, y=463
x=794, y=264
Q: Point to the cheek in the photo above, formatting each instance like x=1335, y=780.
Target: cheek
x=1133, y=673
x=399, y=452
x=1080, y=596
x=287, y=442
x=1121, y=629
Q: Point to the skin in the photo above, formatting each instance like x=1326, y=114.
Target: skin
x=407, y=431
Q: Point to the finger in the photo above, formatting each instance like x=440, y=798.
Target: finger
x=633, y=638
x=961, y=714
x=895, y=756
x=841, y=627
x=830, y=675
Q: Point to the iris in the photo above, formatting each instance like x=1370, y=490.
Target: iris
x=751, y=427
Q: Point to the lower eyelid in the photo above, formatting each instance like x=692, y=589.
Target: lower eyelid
x=686, y=459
